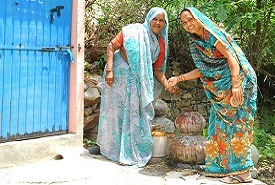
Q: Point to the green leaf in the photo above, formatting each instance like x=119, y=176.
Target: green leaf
x=222, y=14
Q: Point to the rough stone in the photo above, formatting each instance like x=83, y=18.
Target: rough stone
x=161, y=108
x=165, y=123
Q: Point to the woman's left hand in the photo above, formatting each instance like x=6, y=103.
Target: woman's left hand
x=237, y=94
x=172, y=81
x=172, y=89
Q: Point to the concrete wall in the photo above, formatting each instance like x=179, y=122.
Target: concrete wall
x=32, y=150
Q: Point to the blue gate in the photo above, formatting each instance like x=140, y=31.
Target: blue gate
x=34, y=68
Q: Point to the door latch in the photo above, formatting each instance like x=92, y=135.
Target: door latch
x=57, y=10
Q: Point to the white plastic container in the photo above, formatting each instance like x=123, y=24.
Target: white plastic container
x=160, y=144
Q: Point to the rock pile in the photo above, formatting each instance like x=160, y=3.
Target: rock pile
x=92, y=91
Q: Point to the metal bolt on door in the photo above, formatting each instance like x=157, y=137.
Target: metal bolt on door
x=35, y=57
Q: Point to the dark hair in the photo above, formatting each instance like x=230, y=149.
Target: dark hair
x=185, y=9
x=191, y=34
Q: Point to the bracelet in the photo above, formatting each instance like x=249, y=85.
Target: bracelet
x=235, y=75
x=238, y=81
x=108, y=70
x=181, y=78
x=236, y=87
x=237, y=84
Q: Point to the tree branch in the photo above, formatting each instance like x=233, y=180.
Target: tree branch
x=265, y=32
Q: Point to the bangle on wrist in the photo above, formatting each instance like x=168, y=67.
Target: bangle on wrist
x=237, y=83
x=235, y=75
x=236, y=87
x=181, y=78
x=108, y=70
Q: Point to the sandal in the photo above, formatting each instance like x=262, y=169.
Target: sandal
x=235, y=179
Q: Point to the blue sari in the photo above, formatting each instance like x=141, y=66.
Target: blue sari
x=126, y=110
x=230, y=129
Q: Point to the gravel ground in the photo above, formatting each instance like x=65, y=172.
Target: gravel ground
x=264, y=172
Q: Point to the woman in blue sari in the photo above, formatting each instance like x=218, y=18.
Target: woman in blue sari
x=133, y=78
x=230, y=85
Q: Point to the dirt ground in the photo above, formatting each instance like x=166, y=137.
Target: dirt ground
x=265, y=171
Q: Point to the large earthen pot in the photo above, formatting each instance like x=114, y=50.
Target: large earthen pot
x=189, y=147
x=190, y=123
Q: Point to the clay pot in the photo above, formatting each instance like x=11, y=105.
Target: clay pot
x=190, y=123
x=190, y=146
x=188, y=149
x=170, y=137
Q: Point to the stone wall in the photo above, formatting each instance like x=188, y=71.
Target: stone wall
x=191, y=97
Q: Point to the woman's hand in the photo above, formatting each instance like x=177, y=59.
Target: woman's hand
x=237, y=92
x=109, y=79
x=171, y=89
x=237, y=95
x=172, y=81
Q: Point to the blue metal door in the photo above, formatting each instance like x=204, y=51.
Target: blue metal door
x=34, y=68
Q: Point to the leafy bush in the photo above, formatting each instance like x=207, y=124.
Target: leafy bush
x=88, y=143
x=264, y=142
x=268, y=122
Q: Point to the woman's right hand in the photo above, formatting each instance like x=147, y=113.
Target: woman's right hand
x=109, y=79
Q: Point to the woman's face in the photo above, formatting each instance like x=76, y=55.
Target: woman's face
x=158, y=23
x=189, y=23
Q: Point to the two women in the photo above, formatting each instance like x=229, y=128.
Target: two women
x=134, y=76
x=230, y=85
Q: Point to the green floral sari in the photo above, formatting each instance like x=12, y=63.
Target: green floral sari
x=230, y=130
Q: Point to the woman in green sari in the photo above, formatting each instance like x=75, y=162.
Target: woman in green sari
x=230, y=84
